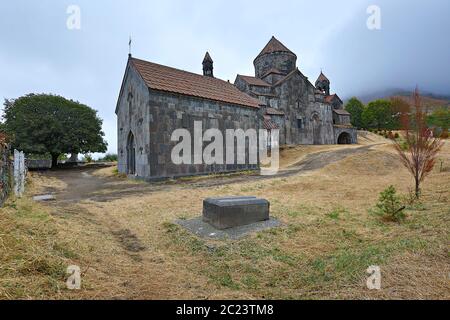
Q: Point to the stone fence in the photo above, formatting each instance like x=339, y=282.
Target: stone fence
x=33, y=164
x=5, y=173
x=12, y=173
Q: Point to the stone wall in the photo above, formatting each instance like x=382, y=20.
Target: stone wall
x=171, y=111
x=282, y=61
x=152, y=116
x=133, y=118
x=341, y=119
x=353, y=132
x=297, y=101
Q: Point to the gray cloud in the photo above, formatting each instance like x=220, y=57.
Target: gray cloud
x=39, y=54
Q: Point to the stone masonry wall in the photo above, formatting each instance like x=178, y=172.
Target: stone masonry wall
x=133, y=117
x=282, y=61
x=168, y=112
x=298, y=102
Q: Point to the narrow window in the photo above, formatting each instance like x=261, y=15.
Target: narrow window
x=300, y=123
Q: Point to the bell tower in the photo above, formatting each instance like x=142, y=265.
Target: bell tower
x=208, y=66
x=323, y=84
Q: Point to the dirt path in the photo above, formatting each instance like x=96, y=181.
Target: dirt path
x=82, y=184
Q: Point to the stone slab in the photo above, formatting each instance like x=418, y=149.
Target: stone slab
x=224, y=213
x=204, y=230
x=45, y=197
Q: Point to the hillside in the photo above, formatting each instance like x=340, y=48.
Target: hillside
x=430, y=101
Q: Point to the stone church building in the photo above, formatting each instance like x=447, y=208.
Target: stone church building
x=155, y=100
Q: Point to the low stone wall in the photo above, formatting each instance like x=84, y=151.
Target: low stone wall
x=38, y=164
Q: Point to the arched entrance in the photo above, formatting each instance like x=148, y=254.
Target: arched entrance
x=131, y=154
x=344, y=138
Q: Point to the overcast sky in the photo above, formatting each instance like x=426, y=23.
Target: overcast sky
x=39, y=53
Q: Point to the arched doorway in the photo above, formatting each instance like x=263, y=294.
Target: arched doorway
x=131, y=154
x=344, y=138
x=317, y=126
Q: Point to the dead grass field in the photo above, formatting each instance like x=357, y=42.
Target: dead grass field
x=124, y=238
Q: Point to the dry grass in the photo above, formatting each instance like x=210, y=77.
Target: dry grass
x=130, y=248
x=34, y=253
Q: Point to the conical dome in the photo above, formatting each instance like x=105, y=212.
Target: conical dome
x=274, y=45
x=275, y=55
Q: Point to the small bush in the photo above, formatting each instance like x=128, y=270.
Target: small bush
x=389, y=206
x=88, y=158
x=396, y=135
x=109, y=158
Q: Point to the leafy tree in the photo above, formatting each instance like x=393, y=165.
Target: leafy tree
x=50, y=124
x=440, y=118
x=356, y=109
x=378, y=115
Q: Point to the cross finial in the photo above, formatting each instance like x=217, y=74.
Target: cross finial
x=129, y=46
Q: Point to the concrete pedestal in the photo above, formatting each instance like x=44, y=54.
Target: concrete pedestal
x=225, y=213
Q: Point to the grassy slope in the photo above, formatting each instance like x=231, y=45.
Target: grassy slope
x=34, y=257
x=130, y=248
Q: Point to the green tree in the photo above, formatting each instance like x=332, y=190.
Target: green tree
x=379, y=115
x=389, y=205
x=356, y=109
x=50, y=124
x=440, y=118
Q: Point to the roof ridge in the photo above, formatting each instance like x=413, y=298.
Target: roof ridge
x=254, y=78
x=290, y=74
x=164, y=78
x=181, y=70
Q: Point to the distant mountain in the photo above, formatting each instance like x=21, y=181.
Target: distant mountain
x=430, y=100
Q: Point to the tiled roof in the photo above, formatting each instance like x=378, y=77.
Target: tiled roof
x=163, y=78
x=272, y=71
x=330, y=98
x=322, y=77
x=254, y=81
x=342, y=112
x=269, y=125
x=274, y=46
x=287, y=77
x=275, y=112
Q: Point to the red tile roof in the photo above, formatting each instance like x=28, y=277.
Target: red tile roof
x=275, y=112
x=254, y=81
x=163, y=78
x=272, y=71
x=330, y=98
x=342, y=112
x=322, y=77
x=274, y=45
x=269, y=125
